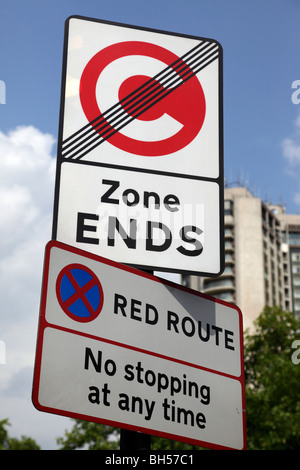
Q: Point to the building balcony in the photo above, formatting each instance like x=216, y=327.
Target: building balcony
x=225, y=284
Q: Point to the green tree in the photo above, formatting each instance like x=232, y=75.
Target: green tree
x=12, y=443
x=160, y=443
x=272, y=382
x=91, y=436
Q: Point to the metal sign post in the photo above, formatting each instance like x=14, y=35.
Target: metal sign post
x=132, y=440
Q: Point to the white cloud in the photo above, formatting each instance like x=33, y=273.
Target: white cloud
x=27, y=170
x=26, y=197
x=291, y=151
x=26, y=184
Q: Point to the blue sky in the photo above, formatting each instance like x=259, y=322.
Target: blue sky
x=260, y=39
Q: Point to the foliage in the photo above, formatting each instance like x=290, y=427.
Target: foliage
x=93, y=436
x=272, y=382
x=90, y=436
x=159, y=443
x=11, y=443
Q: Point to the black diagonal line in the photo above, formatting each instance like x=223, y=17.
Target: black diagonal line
x=102, y=138
x=114, y=131
x=157, y=85
x=147, y=85
x=109, y=132
x=114, y=112
x=142, y=105
x=138, y=103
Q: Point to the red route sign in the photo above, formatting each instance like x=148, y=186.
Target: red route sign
x=176, y=352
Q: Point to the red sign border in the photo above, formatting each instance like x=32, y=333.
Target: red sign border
x=44, y=324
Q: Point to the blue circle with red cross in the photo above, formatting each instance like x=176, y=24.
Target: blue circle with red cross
x=79, y=292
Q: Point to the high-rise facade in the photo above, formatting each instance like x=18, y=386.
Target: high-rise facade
x=290, y=229
x=262, y=257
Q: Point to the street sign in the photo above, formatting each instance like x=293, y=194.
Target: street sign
x=125, y=348
x=140, y=151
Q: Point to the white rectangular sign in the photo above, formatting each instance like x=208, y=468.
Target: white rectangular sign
x=119, y=346
x=115, y=214
x=95, y=380
x=141, y=141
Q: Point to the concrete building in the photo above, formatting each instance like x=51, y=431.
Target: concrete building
x=290, y=229
x=262, y=257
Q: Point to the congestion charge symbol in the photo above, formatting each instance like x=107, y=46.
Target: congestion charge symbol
x=191, y=116
x=79, y=292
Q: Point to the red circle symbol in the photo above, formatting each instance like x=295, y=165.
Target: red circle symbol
x=79, y=292
x=186, y=104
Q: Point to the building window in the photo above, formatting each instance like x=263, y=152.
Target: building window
x=294, y=238
x=225, y=296
x=296, y=257
x=228, y=270
x=296, y=281
x=185, y=280
x=219, y=283
x=297, y=307
x=228, y=232
x=228, y=245
x=228, y=207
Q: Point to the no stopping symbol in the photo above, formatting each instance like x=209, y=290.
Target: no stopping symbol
x=79, y=293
